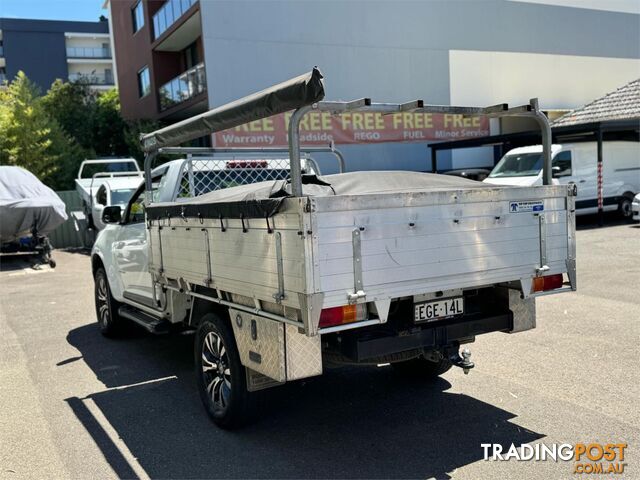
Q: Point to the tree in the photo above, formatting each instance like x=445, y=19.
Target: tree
x=109, y=128
x=52, y=134
x=132, y=136
x=30, y=137
x=73, y=105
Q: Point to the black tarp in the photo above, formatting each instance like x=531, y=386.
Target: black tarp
x=292, y=94
x=263, y=199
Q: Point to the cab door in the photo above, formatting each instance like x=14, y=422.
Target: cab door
x=572, y=167
x=130, y=252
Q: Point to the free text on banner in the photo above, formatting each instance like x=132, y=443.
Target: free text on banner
x=321, y=128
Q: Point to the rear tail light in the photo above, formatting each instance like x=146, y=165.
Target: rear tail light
x=247, y=164
x=550, y=282
x=330, y=317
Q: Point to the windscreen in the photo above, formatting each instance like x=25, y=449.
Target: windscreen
x=518, y=165
x=121, y=196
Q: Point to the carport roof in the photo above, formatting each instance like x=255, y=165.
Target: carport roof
x=621, y=104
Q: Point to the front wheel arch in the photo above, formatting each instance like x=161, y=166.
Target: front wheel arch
x=96, y=263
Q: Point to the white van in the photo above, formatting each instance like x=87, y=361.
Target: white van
x=578, y=163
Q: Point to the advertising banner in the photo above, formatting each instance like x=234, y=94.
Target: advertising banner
x=321, y=128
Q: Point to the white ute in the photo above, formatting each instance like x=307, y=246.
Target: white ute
x=101, y=183
x=283, y=277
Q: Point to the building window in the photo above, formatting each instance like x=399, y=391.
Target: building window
x=137, y=16
x=144, y=82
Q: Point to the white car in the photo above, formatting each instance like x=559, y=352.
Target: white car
x=635, y=208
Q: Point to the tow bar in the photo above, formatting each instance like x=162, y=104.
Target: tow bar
x=463, y=361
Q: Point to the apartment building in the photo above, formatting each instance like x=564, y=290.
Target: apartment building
x=46, y=50
x=180, y=57
x=159, y=55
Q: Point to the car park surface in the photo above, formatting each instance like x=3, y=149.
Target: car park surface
x=78, y=405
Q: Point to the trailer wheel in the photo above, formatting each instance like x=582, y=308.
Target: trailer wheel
x=421, y=367
x=221, y=378
x=106, y=306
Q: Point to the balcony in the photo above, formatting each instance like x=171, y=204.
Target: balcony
x=92, y=78
x=168, y=14
x=3, y=78
x=183, y=87
x=1, y=51
x=88, y=52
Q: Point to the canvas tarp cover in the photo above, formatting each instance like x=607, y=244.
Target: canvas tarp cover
x=263, y=199
x=295, y=93
x=26, y=202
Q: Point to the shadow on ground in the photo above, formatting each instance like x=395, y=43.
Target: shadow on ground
x=22, y=261
x=349, y=423
x=609, y=219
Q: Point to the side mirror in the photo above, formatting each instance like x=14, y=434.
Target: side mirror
x=112, y=214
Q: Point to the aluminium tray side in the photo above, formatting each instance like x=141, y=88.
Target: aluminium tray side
x=423, y=242
x=237, y=256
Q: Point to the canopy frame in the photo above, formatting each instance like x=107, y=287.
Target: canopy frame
x=303, y=94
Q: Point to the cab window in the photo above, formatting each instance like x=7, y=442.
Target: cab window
x=135, y=212
x=101, y=195
x=136, y=208
x=561, y=165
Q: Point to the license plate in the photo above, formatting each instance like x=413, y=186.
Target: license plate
x=438, y=309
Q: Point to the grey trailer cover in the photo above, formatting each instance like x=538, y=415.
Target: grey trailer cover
x=25, y=203
x=263, y=199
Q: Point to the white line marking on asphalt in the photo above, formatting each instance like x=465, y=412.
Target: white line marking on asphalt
x=146, y=382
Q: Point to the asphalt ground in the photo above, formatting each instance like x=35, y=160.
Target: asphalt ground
x=76, y=405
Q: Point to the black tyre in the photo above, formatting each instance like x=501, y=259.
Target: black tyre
x=221, y=378
x=106, y=307
x=420, y=367
x=625, y=209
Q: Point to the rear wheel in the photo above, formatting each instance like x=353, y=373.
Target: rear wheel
x=106, y=307
x=625, y=207
x=221, y=378
x=421, y=367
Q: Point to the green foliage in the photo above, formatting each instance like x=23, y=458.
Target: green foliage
x=132, y=136
x=109, y=128
x=30, y=137
x=51, y=135
x=72, y=104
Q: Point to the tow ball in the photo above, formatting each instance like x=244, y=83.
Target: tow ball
x=463, y=361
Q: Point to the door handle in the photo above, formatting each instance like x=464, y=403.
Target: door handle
x=582, y=181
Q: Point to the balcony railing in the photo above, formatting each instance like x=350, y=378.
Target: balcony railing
x=88, y=52
x=185, y=86
x=171, y=11
x=91, y=78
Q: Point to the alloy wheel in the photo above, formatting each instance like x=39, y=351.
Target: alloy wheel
x=103, y=301
x=215, y=370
